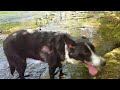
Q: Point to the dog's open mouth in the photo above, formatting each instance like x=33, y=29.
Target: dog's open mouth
x=92, y=69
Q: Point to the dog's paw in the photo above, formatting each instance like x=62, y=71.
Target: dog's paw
x=63, y=76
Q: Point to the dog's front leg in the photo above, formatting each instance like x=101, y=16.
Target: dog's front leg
x=61, y=72
x=52, y=71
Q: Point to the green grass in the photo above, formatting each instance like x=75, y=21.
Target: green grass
x=11, y=27
x=8, y=26
x=1, y=41
x=10, y=12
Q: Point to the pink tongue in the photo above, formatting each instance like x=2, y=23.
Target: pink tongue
x=92, y=70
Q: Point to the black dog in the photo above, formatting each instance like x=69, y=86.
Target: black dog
x=49, y=47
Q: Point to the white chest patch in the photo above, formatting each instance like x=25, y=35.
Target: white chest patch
x=30, y=31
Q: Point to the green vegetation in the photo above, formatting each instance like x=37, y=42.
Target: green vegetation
x=108, y=34
x=10, y=12
x=112, y=69
x=78, y=71
x=16, y=20
x=11, y=27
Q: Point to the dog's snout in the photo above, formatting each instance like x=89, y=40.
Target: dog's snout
x=103, y=63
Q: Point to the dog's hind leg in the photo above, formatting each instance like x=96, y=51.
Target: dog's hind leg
x=11, y=66
x=16, y=60
x=21, y=66
x=17, y=63
x=12, y=69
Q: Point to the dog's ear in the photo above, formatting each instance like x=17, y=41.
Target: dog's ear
x=71, y=46
x=69, y=41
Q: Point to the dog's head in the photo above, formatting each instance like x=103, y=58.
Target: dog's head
x=85, y=52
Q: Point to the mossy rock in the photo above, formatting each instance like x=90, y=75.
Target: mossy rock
x=77, y=71
x=110, y=71
x=112, y=68
x=114, y=54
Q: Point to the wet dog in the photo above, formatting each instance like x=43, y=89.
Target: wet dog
x=50, y=47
